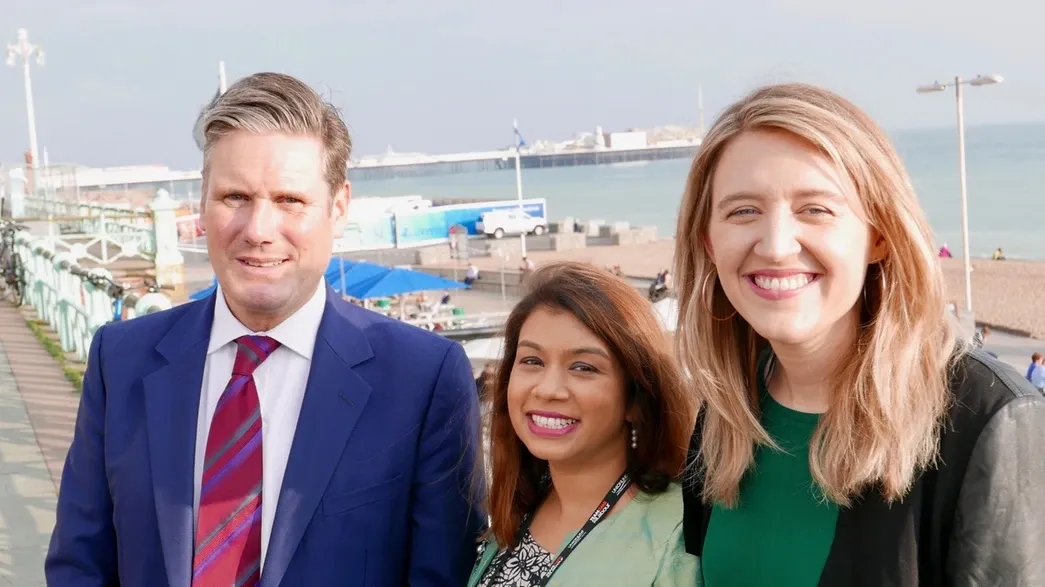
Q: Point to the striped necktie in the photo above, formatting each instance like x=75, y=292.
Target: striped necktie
x=228, y=526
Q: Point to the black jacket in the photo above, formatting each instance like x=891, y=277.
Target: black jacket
x=977, y=520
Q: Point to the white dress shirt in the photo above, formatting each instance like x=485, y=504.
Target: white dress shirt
x=280, y=381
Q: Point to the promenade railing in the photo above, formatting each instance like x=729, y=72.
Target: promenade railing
x=65, y=274
x=74, y=300
x=103, y=233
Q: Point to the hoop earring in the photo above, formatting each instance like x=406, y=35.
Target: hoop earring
x=707, y=304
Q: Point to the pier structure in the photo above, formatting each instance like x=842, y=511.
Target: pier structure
x=419, y=165
x=135, y=186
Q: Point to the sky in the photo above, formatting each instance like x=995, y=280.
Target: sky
x=124, y=79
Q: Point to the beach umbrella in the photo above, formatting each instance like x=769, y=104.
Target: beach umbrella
x=353, y=271
x=199, y=295
x=394, y=282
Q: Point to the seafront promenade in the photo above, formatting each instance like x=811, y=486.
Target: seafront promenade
x=37, y=415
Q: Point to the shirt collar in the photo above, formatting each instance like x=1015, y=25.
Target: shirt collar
x=297, y=332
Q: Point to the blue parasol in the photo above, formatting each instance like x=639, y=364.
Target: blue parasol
x=395, y=282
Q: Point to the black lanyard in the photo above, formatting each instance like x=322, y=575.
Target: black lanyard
x=611, y=499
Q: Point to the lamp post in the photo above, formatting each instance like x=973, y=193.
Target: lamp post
x=980, y=80
x=25, y=50
x=518, y=182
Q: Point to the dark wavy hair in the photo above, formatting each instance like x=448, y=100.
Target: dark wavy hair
x=615, y=312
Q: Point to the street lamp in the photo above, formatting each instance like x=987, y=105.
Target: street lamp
x=518, y=182
x=25, y=50
x=980, y=80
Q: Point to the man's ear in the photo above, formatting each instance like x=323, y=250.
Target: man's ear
x=339, y=207
x=203, y=208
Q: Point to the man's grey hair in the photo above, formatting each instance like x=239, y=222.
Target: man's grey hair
x=276, y=102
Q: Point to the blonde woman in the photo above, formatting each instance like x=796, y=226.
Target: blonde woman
x=845, y=437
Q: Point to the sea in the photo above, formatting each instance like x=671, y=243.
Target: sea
x=1005, y=169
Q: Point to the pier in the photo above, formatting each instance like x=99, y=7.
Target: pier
x=418, y=165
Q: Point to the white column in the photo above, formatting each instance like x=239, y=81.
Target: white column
x=170, y=264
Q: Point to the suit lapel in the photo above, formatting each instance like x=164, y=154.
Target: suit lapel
x=172, y=399
x=334, y=398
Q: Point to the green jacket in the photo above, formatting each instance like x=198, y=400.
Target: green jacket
x=639, y=545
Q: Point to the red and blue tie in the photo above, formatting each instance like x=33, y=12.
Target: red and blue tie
x=228, y=526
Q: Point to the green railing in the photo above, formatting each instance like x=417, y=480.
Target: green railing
x=75, y=301
x=119, y=232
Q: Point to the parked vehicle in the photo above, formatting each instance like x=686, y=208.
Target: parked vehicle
x=501, y=222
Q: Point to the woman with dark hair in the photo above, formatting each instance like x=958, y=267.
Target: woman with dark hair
x=589, y=429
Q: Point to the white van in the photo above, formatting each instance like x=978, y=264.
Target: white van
x=498, y=223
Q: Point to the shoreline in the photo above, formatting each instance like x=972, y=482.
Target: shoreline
x=1007, y=295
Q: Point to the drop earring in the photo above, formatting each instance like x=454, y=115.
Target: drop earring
x=634, y=438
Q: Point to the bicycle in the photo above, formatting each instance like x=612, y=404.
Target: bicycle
x=154, y=287
x=114, y=290
x=11, y=266
x=118, y=293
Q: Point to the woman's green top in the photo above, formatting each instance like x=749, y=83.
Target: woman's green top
x=639, y=545
x=781, y=532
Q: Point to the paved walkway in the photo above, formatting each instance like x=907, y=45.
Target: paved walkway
x=37, y=414
x=1012, y=349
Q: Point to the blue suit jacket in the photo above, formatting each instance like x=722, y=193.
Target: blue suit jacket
x=381, y=488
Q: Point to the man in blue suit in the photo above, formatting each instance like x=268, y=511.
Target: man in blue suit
x=271, y=434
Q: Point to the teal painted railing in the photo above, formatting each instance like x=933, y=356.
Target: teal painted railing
x=64, y=294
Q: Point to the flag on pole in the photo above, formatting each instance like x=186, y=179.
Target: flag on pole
x=519, y=142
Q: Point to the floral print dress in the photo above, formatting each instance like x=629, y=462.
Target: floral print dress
x=524, y=567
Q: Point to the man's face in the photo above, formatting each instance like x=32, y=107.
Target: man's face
x=270, y=221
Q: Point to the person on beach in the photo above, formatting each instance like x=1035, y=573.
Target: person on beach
x=844, y=436
x=1036, y=371
x=661, y=286
x=271, y=433
x=472, y=275
x=527, y=265
x=589, y=432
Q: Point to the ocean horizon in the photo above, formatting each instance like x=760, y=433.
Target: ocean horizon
x=1005, y=169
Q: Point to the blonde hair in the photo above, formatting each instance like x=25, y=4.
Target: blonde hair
x=883, y=426
x=276, y=102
